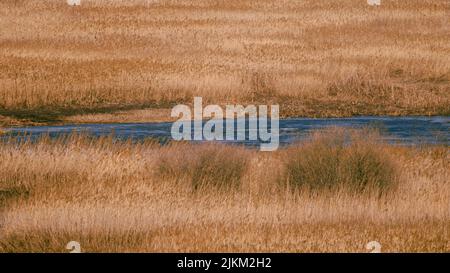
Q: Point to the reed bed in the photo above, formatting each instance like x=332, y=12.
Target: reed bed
x=314, y=58
x=143, y=197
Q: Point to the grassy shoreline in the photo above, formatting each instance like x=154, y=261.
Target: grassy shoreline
x=123, y=197
x=142, y=114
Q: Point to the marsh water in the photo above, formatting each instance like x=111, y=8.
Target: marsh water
x=414, y=130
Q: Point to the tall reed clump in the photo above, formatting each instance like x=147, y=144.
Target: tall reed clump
x=219, y=167
x=340, y=160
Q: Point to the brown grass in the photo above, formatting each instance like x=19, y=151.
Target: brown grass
x=114, y=197
x=206, y=167
x=314, y=58
x=341, y=159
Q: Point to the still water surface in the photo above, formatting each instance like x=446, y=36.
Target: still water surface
x=397, y=130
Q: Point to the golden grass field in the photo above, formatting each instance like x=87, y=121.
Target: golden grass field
x=314, y=58
x=133, y=60
x=124, y=197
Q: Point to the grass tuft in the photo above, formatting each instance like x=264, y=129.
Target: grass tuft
x=340, y=160
x=206, y=166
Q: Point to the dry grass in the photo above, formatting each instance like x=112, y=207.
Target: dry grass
x=131, y=116
x=341, y=159
x=315, y=58
x=114, y=197
x=206, y=166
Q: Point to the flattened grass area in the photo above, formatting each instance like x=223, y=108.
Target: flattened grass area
x=314, y=58
x=119, y=196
